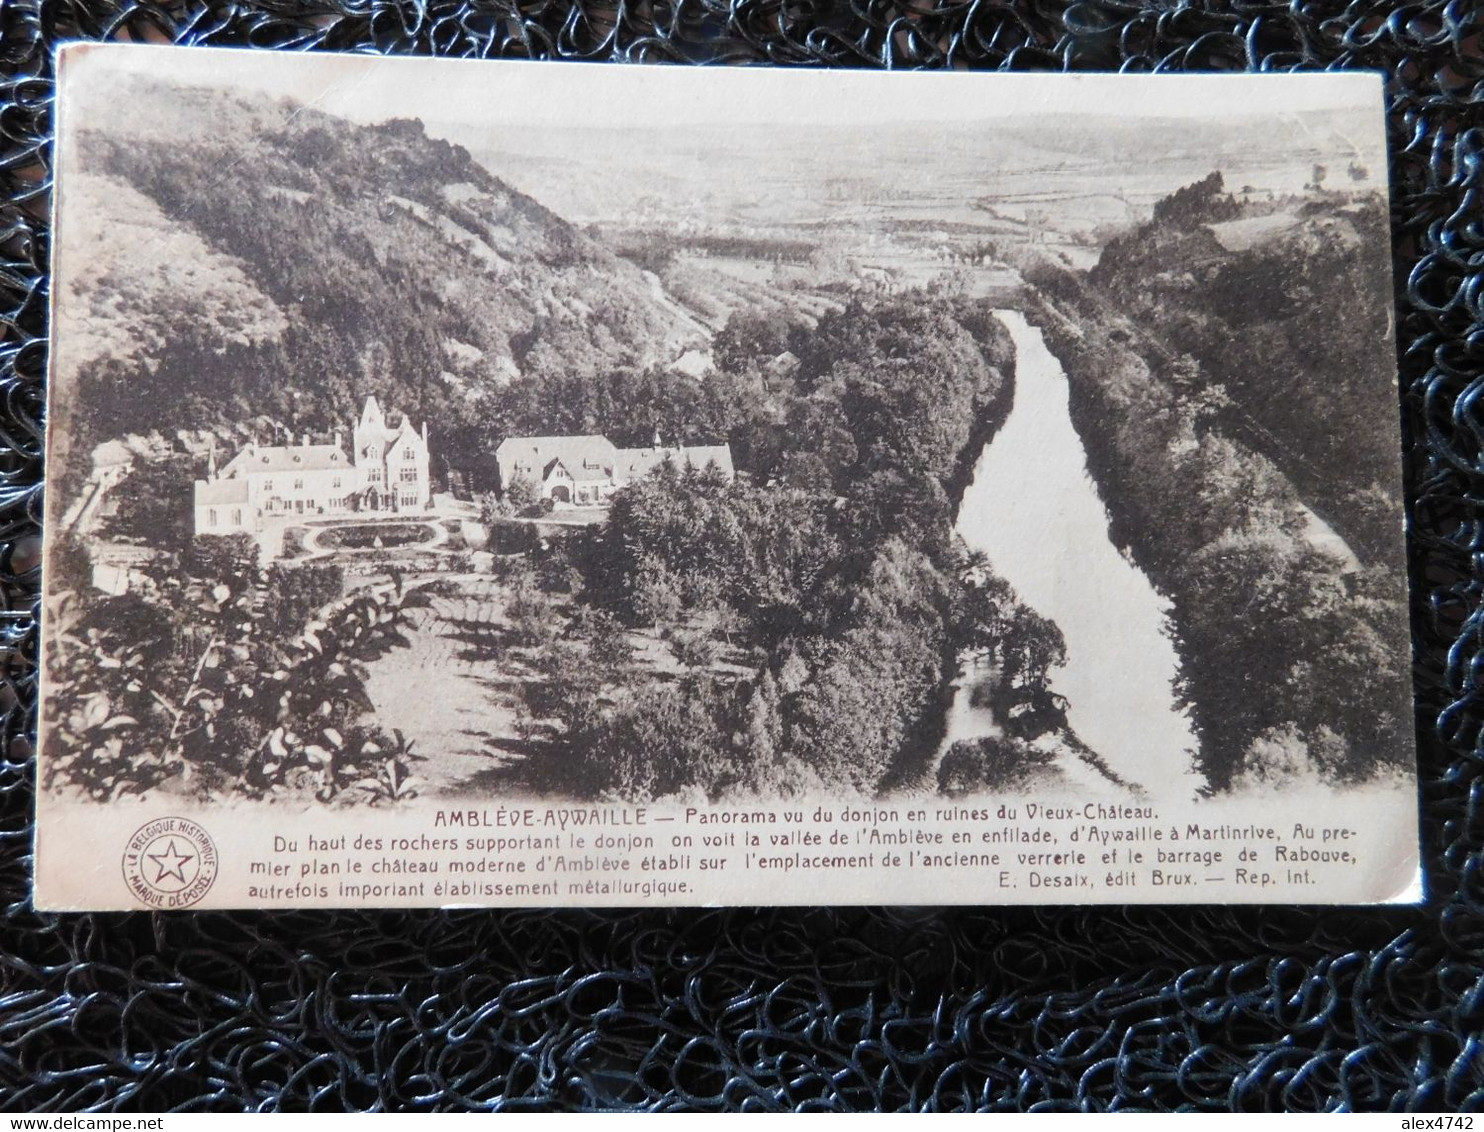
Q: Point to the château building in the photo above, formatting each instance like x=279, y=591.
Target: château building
x=386, y=470
x=583, y=471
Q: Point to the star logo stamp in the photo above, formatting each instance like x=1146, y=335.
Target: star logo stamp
x=169, y=863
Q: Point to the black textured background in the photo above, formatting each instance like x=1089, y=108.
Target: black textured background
x=1210, y=1008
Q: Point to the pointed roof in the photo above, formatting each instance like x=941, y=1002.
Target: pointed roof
x=537, y=452
x=217, y=492
x=279, y=458
x=586, y=472
x=632, y=463
x=523, y=445
x=375, y=437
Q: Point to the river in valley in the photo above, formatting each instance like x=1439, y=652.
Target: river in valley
x=1034, y=511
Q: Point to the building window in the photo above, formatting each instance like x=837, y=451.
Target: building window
x=236, y=517
x=408, y=454
x=299, y=484
x=211, y=517
x=267, y=485
x=373, y=475
x=409, y=475
x=335, y=482
x=409, y=499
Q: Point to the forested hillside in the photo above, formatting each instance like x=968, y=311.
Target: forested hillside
x=832, y=574
x=1226, y=394
x=1286, y=304
x=285, y=263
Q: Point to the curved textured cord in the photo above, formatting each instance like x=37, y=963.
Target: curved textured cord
x=1208, y=1008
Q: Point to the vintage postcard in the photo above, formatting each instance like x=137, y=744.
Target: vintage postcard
x=494, y=483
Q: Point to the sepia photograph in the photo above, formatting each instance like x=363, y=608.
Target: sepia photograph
x=523, y=442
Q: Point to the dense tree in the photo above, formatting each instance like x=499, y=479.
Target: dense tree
x=200, y=676
x=832, y=561
x=752, y=338
x=521, y=493
x=223, y=560
x=295, y=593
x=1289, y=648
x=995, y=762
x=1204, y=202
x=394, y=284
x=1294, y=328
x=152, y=504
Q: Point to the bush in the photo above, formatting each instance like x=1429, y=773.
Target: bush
x=367, y=535
x=658, y=743
x=994, y=762
x=229, y=560
x=293, y=543
x=508, y=537
x=1277, y=757
x=608, y=650
x=694, y=648
x=295, y=593
x=152, y=505
x=230, y=702
x=532, y=614
x=555, y=570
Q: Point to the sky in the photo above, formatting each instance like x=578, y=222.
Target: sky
x=605, y=95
